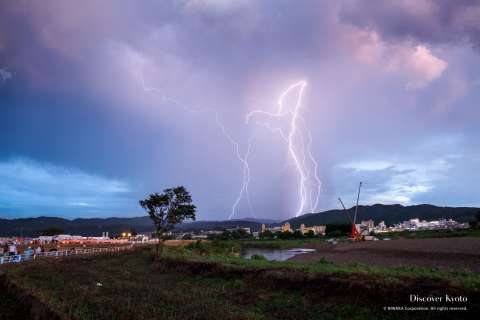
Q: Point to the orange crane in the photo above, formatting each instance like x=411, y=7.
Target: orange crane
x=355, y=235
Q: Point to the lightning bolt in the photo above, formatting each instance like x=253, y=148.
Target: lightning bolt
x=294, y=138
x=246, y=169
x=242, y=158
x=315, y=193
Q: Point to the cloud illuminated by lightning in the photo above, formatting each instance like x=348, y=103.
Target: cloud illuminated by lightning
x=309, y=184
x=298, y=141
x=243, y=159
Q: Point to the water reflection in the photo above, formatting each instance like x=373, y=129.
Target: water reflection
x=275, y=254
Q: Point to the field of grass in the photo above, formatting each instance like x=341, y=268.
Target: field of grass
x=10, y=307
x=209, y=281
x=221, y=252
x=272, y=243
x=135, y=287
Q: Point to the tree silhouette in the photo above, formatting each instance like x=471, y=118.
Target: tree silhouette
x=166, y=210
x=52, y=231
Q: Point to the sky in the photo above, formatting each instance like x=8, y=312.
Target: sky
x=266, y=109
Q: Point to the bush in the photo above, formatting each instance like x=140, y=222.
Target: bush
x=310, y=234
x=235, y=235
x=258, y=257
x=297, y=234
x=215, y=247
x=284, y=235
x=267, y=234
x=199, y=247
x=324, y=261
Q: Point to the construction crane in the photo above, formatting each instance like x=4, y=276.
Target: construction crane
x=355, y=235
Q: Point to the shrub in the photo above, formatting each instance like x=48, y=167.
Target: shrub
x=258, y=257
x=324, y=261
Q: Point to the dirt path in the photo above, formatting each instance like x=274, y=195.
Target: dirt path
x=439, y=252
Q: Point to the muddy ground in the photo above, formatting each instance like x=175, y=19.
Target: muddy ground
x=438, y=252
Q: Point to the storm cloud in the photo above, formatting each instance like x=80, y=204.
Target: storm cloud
x=132, y=94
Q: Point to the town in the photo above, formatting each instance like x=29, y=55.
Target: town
x=11, y=246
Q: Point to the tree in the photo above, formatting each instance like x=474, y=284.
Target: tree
x=297, y=234
x=166, y=210
x=310, y=234
x=240, y=234
x=338, y=230
x=475, y=223
x=267, y=234
x=284, y=235
x=226, y=235
x=53, y=231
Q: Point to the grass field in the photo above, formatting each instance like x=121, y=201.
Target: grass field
x=11, y=308
x=134, y=287
x=220, y=252
x=208, y=281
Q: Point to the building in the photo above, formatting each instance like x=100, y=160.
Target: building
x=381, y=226
x=317, y=230
x=416, y=225
x=286, y=227
x=369, y=224
x=283, y=228
x=246, y=230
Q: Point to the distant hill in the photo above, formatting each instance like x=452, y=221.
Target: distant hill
x=87, y=227
x=219, y=225
x=389, y=213
x=259, y=220
x=31, y=227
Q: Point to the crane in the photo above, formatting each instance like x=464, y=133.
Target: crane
x=355, y=234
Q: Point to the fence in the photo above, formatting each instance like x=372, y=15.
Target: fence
x=63, y=253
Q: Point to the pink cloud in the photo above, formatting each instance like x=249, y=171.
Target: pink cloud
x=417, y=64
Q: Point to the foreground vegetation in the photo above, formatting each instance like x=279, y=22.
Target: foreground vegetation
x=228, y=253
x=133, y=286
x=210, y=281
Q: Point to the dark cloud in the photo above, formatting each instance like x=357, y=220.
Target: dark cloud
x=130, y=92
x=427, y=21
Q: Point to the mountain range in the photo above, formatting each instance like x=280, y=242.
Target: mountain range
x=391, y=214
x=94, y=227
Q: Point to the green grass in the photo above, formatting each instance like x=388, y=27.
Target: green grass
x=226, y=253
x=135, y=287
